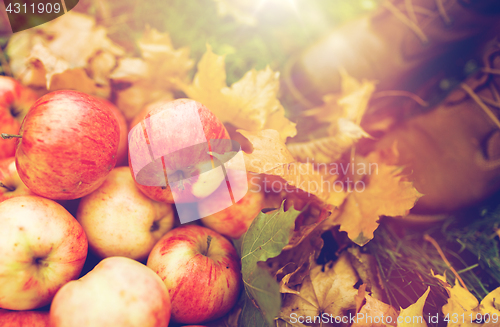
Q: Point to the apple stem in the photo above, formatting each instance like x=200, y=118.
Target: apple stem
x=6, y=136
x=8, y=188
x=209, y=240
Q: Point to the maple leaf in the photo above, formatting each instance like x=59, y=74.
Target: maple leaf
x=302, y=250
x=344, y=112
x=41, y=57
x=329, y=149
x=153, y=76
x=326, y=290
x=412, y=316
x=268, y=151
x=351, y=103
x=166, y=64
x=385, y=193
x=371, y=312
x=461, y=301
x=271, y=157
x=462, y=308
x=250, y=103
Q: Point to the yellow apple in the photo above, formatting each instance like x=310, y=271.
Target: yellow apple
x=42, y=247
x=120, y=220
x=118, y=292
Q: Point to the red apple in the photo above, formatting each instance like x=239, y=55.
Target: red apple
x=15, y=102
x=121, y=154
x=11, y=184
x=169, y=152
x=120, y=220
x=31, y=318
x=201, y=271
x=42, y=247
x=68, y=146
x=117, y=292
x=145, y=111
x=234, y=220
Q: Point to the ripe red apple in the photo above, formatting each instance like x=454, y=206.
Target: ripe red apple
x=15, y=102
x=117, y=292
x=30, y=318
x=11, y=184
x=42, y=247
x=68, y=146
x=201, y=271
x=145, y=111
x=120, y=220
x=169, y=152
x=121, y=154
x=234, y=220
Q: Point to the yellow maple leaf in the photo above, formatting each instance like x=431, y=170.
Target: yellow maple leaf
x=270, y=156
x=327, y=292
x=413, y=315
x=384, y=192
x=343, y=112
x=328, y=149
x=166, y=64
x=462, y=308
x=371, y=312
x=153, y=76
x=350, y=104
x=268, y=152
x=461, y=301
x=250, y=103
x=490, y=308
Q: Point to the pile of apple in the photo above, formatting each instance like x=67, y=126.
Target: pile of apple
x=64, y=146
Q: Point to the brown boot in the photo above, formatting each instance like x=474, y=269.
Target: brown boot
x=395, y=42
x=453, y=151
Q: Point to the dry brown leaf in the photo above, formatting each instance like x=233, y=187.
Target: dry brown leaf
x=367, y=269
x=327, y=291
x=250, y=103
x=385, y=193
x=101, y=66
x=133, y=99
x=413, y=316
x=41, y=57
x=301, y=251
x=166, y=64
x=153, y=76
